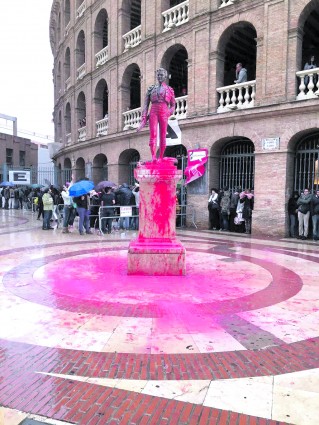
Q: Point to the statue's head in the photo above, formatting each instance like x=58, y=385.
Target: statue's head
x=161, y=74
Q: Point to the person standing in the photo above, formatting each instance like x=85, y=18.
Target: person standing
x=213, y=210
x=314, y=208
x=47, y=201
x=241, y=74
x=303, y=203
x=107, y=212
x=67, y=209
x=292, y=212
x=83, y=209
x=11, y=198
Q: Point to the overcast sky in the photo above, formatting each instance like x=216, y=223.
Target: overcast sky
x=26, y=62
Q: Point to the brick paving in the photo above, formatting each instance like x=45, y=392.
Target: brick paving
x=24, y=367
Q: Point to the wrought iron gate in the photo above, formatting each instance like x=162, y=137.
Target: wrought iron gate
x=307, y=164
x=237, y=165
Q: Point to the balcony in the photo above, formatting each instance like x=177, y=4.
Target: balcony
x=68, y=139
x=67, y=28
x=237, y=96
x=132, y=38
x=181, y=107
x=102, y=127
x=176, y=16
x=80, y=72
x=67, y=84
x=132, y=118
x=102, y=56
x=309, y=84
x=81, y=9
x=224, y=3
x=82, y=134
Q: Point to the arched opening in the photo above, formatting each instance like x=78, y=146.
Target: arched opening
x=67, y=12
x=237, y=164
x=310, y=41
x=306, y=169
x=67, y=61
x=59, y=127
x=101, y=97
x=131, y=96
x=67, y=118
x=81, y=110
x=237, y=45
x=58, y=35
x=58, y=79
x=175, y=61
x=135, y=14
x=101, y=31
x=80, y=49
x=79, y=169
x=66, y=172
x=127, y=163
x=100, y=168
x=135, y=88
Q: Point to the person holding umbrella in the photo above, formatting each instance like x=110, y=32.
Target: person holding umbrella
x=80, y=193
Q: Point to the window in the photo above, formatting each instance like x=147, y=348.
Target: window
x=9, y=156
x=22, y=158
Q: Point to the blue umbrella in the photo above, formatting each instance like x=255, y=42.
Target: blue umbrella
x=7, y=184
x=81, y=188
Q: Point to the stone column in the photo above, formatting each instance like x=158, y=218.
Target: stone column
x=156, y=251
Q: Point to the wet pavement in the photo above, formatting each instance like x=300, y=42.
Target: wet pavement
x=235, y=341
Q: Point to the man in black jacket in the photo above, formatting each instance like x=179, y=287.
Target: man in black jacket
x=123, y=197
x=314, y=207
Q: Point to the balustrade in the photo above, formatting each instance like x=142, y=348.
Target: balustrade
x=67, y=83
x=132, y=38
x=102, y=127
x=82, y=134
x=181, y=107
x=176, y=16
x=132, y=118
x=67, y=28
x=81, y=9
x=80, y=72
x=309, y=84
x=224, y=3
x=237, y=96
x=68, y=139
x=102, y=56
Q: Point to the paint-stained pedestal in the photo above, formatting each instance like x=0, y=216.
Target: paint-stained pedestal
x=156, y=251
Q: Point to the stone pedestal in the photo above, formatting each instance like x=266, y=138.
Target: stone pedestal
x=156, y=251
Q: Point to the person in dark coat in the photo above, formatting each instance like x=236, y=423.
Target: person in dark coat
x=293, y=214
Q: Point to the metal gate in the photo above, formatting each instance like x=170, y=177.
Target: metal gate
x=237, y=165
x=307, y=164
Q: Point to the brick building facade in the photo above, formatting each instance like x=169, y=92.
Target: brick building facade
x=262, y=133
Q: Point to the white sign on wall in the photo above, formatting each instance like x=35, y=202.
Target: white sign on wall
x=19, y=177
x=271, y=143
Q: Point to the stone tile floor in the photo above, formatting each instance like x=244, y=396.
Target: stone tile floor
x=235, y=341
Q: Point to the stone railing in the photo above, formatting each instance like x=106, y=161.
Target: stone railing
x=224, y=3
x=80, y=72
x=81, y=9
x=309, y=84
x=102, y=127
x=132, y=38
x=81, y=134
x=181, y=107
x=132, y=118
x=102, y=56
x=68, y=139
x=67, y=28
x=237, y=96
x=176, y=16
x=67, y=83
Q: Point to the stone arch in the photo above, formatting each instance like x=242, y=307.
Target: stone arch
x=237, y=44
x=101, y=31
x=79, y=169
x=127, y=162
x=80, y=49
x=67, y=63
x=81, y=109
x=101, y=100
x=131, y=85
x=67, y=118
x=100, y=168
x=175, y=61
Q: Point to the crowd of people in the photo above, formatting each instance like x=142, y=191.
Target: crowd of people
x=303, y=211
x=231, y=211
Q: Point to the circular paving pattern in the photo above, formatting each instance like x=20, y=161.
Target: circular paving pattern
x=237, y=298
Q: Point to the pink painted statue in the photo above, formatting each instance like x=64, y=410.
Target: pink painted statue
x=162, y=98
